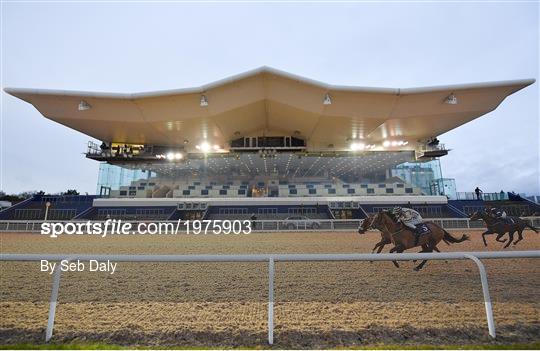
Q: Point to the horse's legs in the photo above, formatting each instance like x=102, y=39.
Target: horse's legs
x=424, y=249
x=397, y=249
x=377, y=245
x=435, y=248
x=499, y=236
x=510, y=239
x=520, y=236
x=487, y=232
x=380, y=245
x=419, y=267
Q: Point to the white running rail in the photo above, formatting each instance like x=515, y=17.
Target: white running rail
x=271, y=259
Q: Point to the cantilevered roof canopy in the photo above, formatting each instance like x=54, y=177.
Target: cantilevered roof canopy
x=266, y=101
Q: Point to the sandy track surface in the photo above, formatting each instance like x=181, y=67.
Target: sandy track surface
x=318, y=304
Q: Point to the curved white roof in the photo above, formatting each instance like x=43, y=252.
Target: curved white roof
x=266, y=101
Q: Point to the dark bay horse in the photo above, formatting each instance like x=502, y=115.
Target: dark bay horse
x=500, y=227
x=403, y=238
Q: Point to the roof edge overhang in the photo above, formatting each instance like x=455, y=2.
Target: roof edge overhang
x=269, y=70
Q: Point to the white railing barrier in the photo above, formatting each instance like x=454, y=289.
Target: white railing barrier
x=275, y=224
x=271, y=259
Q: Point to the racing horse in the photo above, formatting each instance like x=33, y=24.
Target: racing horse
x=501, y=226
x=403, y=238
x=385, y=235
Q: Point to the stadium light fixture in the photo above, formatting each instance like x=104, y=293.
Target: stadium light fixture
x=393, y=143
x=327, y=99
x=451, y=99
x=204, y=101
x=170, y=156
x=357, y=146
x=204, y=147
x=83, y=106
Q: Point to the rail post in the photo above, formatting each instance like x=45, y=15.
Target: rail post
x=52, y=303
x=271, y=301
x=485, y=291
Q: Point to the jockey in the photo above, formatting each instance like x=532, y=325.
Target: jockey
x=408, y=217
x=497, y=213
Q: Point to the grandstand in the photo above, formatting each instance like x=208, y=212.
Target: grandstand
x=270, y=144
x=168, y=188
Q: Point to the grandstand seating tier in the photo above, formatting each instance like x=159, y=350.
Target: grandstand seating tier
x=156, y=187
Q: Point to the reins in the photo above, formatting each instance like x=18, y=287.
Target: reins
x=392, y=233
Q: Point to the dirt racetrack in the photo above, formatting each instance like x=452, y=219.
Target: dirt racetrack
x=318, y=305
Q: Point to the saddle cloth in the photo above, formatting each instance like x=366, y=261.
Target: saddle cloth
x=422, y=229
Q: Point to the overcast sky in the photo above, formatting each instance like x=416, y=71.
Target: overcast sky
x=143, y=47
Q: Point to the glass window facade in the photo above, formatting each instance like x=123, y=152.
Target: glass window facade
x=114, y=176
x=426, y=176
x=445, y=186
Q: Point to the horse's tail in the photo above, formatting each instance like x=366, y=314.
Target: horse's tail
x=448, y=238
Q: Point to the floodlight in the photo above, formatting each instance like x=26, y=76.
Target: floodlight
x=204, y=101
x=357, y=146
x=204, y=147
x=83, y=106
x=327, y=100
x=451, y=99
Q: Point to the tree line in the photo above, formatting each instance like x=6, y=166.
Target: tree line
x=14, y=198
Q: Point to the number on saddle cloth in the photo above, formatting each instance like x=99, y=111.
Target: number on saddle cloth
x=422, y=229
